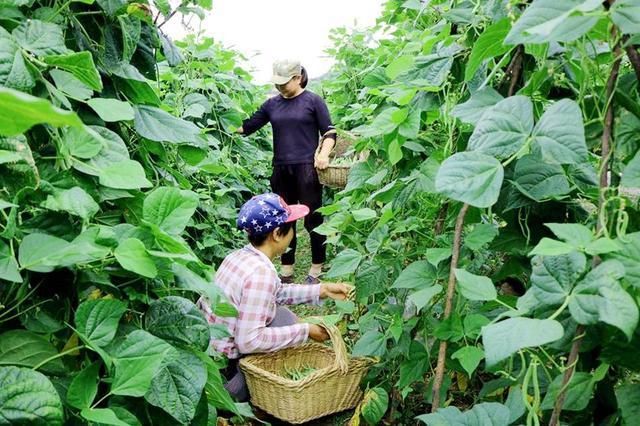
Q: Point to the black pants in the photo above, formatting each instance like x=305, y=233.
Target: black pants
x=299, y=184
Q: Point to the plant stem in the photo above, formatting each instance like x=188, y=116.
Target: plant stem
x=604, y=183
x=442, y=353
x=634, y=56
x=514, y=70
x=56, y=356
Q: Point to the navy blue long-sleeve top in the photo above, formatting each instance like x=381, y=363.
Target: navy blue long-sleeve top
x=297, y=124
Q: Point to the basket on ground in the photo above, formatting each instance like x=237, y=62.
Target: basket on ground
x=341, y=158
x=334, y=386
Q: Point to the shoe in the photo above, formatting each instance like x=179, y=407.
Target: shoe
x=311, y=280
x=286, y=280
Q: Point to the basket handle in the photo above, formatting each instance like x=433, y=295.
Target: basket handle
x=330, y=132
x=340, y=349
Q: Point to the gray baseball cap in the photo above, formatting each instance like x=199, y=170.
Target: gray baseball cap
x=284, y=70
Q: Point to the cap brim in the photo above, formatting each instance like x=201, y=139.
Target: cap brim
x=297, y=211
x=278, y=79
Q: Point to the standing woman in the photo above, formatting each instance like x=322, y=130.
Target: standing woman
x=298, y=118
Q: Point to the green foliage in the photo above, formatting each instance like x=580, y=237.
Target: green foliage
x=118, y=191
x=511, y=107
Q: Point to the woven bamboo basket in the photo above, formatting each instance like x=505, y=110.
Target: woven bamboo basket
x=333, y=387
x=336, y=175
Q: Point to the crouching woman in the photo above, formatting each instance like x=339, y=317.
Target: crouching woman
x=250, y=281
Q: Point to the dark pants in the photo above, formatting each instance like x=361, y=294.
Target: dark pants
x=236, y=385
x=299, y=183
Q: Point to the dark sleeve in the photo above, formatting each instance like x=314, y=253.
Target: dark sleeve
x=322, y=116
x=257, y=120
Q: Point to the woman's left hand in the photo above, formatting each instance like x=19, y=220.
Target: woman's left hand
x=336, y=291
x=322, y=161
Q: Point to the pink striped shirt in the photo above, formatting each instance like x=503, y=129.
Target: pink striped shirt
x=250, y=281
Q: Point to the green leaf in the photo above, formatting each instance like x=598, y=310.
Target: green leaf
x=538, y=180
x=475, y=287
x=74, y=201
x=626, y=15
x=631, y=172
x=9, y=157
x=549, y=247
x=27, y=349
x=132, y=256
x=628, y=397
x=374, y=404
x=82, y=142
x=559, y=135
x=178, y=320
x=601, y=246
x=481, y=101
x=345, y=263
x=103, y=416
x=488, y=45
x=170, y=208
x=484, y=414
x=414, y=366
x=437, y=255
x=14, y=72
x=433, y=70
x=111, y=6
x=361, y=215
x=419, y=274
x=41, y=252
x=9, y=270
x=573, y=233
x=372, y=343
x=158, y=125
x=20, y=111
x=504, y=128
x=395, y=152
x=422, y=297
x=399, y=65
x=505, y=338
x=70, y=85
x=384, y=122
x=137, y=359
x=131, y=29
x=125, y=174
x=629, y=256
x=599, y=297
x=40, y=38
x=469, y=357
x=27, y=397
x=113, y=152
x=410, y=127
x=98, y=320
x=482, y=234
x=579, y=392
x=111, y=110
x=81, y=65
x=84, y=387
x=553, y=277
x=471, y=177
x=550, y=20
x=170, y=51
x=178, y=386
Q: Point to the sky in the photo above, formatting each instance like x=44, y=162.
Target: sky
x=265, y=30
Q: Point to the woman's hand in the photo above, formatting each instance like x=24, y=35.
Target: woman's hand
x=318, y=333
x=322, y=161
x=336, y=291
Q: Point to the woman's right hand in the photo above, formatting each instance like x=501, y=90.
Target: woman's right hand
x=318, y=333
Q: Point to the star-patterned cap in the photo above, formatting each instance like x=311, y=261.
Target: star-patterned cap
x=265, y=212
